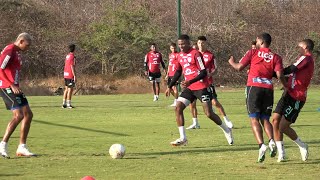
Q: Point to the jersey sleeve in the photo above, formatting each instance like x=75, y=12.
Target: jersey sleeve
x=246, y=59
x=199, y=61
x=278, y=64
x=5, y=57
x=301, y=62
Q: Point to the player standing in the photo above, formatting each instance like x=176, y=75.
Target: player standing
x=195, y=86
x=171, y=70
x=152, y=62
x=13, y=96
x=211, y=66
x=293, y=99
x=69, y=77
x=259, y=98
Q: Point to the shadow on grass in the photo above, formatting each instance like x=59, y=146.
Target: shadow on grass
x=9, y=175
x=79, y=128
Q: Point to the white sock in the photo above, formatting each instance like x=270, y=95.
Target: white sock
x=224, y=127
x=182, y=132
x=280, y=147
x=68, y=102
x=195, y=121
x=2, y=142
x=225, y=118
x=175, y=101
x=64, y=102
x=299, y=142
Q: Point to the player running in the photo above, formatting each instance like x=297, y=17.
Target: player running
x=171, y=70
x=69, y=77
x=293, y=99
x=259, y=98
x=195, y=86
x=152, y=62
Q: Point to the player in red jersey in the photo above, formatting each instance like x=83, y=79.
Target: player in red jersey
x=152, y=62
x=292, y=100
x=259, y=98
x=69, y=77
x=211, y=66
x=171, y=70
x=195, y=86
x=13, y=96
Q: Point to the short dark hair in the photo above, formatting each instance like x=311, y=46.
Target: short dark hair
x=153, y=44
x=266, y=38
x=173, y=44
x=202, y=38
x=309, y=43
x=184, y=37
x=254, y=42
x=72, y=47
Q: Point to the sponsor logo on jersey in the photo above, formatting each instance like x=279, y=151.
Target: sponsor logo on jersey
x=266, y=56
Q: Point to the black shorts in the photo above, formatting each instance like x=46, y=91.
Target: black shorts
x=170, y=79
x=154, y=77
x=213, y=91
x=11, y=100
x=259, y=102
x=289, y=107
x=204, y=95
x=69, y=83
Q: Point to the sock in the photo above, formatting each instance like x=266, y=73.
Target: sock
x=299, y=142
x=2, y=142
x=64, y=102
x=280, y=147
x=175, y=101
x=225, y=118
x=224, y=127
x=182, y=132
x=271, y=141
x=260, y=145
x=195, y=121
x=68, y=102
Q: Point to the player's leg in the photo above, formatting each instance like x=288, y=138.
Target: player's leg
x=65, y=94
x=220, y=108
x=157, y=90
x=175, y=94
x=194, y=112
x=157, y=85
x=69, y=96
x=186, y=97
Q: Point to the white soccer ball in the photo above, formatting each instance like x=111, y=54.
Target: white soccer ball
x=117, y=151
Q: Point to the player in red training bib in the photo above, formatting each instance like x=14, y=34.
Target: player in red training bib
x=263, y=62
x=211, y=66
x=292, y=100
x=69, y=77
x=171, y=70
x=152, y=62
x=13, y=96
x=195, y=86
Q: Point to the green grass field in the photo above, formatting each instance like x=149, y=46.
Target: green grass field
x=74, y=143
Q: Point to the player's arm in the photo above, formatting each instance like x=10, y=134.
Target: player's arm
x=163, y=64
x=174, y=79
x=73, y=69
x=236, y=66
x=244, y=61
x=146, y=65
x=215, y=70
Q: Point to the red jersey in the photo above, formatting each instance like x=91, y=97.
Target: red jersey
x=262, y=65
x=153, y=61
x=191, y=64
x=70, y=61
x=299, y=81
x=172, y=64
x=10, y=66
x=209, y=63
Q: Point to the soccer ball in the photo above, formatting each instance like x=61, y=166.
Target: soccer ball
x=117, y=151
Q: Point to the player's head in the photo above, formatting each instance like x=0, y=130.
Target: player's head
x=202, y=43
x=153, y=47
x=184, y=43
x=23, y=41
x=305, y=46
x=173, y=47
x=253, y=44
x=72, y=47
x=263, y=40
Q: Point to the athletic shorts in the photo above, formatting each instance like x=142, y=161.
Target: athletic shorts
x=11, y=100
x=170, y=79
x=289, y=107
x=259, y=102
x=69, y=83
x=187, y=96
x=213, y=91
x=154, y=77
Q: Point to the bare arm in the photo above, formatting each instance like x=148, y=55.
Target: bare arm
x=236, y=66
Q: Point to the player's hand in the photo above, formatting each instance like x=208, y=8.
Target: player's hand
x=15, y=89
x=146, y=73
x=185, y=84
x=231, y=60
x=167, y=93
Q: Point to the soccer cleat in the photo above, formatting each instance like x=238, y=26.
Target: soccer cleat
x=229, y=137
x=24, y=151
x=4, y=150
x=194, y=126
x=304, y=152
x=273, y=148
x=228, y=123
x=173, y=105
x=155, y=99
x=281, y=158
x=69, y=107
x=179, y=142
x=262, y=152
x=64, y=106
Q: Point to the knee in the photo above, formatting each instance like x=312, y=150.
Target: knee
x=29, y=115
x=18, y=116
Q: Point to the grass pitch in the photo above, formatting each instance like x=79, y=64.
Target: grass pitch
x=73, y=143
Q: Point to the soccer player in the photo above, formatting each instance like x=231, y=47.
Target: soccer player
x=171, y=70
x=211, y=66
x=152, y=62
x=69, y=77
x=254, y=45
x=293, y=99
x=195, y=86
x=13, y=96
x=263, y=62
